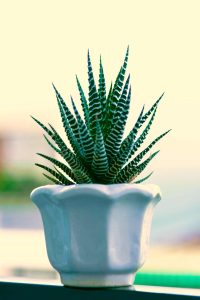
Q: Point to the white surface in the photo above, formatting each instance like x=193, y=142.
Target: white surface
x=97, y=230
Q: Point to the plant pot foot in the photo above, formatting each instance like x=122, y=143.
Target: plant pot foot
x=97, y=280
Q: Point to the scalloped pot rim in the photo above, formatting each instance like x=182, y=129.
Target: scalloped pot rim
x=111, y=191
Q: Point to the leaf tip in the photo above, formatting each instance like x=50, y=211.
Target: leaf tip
x=88, y=54
x=53, y=85
x=156, y=152
x=127, y=50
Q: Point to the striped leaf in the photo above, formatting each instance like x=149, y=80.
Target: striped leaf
x=59, y=164
x=116, y=93
x=84, y=104
x=60, y=177
x=143, y=117
x=140, y=121
x=79, y=121
x=105, y=116
x=142, y=137
x=94, y=103
x=51, y=145
x=130, y=171
x=71, y=159
x=140, y=156
x=118, y=163
x=113, y=141
x=119, y=82
x=48, y=131
x=102, y=88
x=86, y=140
x=123, y=101
x=54, y=180
x=59, y=172
x=80, y=173
x=67, y=154
x=123, y=154
x=107, y=123
x=143, y=179
x=99, y=153
x=71, y=119
x=82, y=177
x=127, y=143
x=63, y=150
x=76, y=145
x=100, y=161
x=148, y=113
x=79, y=170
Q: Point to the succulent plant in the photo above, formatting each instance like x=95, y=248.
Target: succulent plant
x=100, y=153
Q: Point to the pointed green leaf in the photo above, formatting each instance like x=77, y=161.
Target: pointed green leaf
x=142, y=137
x=49, y=132
x=113, y=141
x=66, y=153
x=105, y=116
x=148, y=113
x=122, y=157
x=120, y=80
x=116, y=165
x=130, y=171
x=116, y=93
x=57, y=139
x=94, y=103
x=69, y=156
x=59, y=172
x=140, y=156
x=129, y=145
x=82, y=177
x=51, y=145
x=85, y=138
x=53, y=179
x=100, y=161
x=71, y=119
x=58, y=176
x=124, y=101
x=76, y=145
x=140, y=121
x=84, y=104
x=143, y=179
x=102, y=88
x=61, y=165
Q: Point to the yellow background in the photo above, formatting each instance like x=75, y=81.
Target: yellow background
x=45, y=41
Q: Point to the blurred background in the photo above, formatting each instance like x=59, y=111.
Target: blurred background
x=47, y=41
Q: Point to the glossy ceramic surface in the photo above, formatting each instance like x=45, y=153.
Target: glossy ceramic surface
x=97, y=235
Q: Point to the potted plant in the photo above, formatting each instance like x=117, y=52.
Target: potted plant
x=97, y=215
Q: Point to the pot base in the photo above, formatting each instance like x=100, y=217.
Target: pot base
x=97, y=280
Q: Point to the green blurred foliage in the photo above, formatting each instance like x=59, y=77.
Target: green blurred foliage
x=168, y=279
x=19, y=184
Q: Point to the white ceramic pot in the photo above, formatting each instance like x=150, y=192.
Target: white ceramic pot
x=97, y=235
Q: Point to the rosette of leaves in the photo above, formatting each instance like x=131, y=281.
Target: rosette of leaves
x=99, y=151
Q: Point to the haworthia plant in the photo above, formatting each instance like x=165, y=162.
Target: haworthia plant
x=100, y=153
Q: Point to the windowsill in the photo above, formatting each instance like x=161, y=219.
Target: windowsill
x=138, y=288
